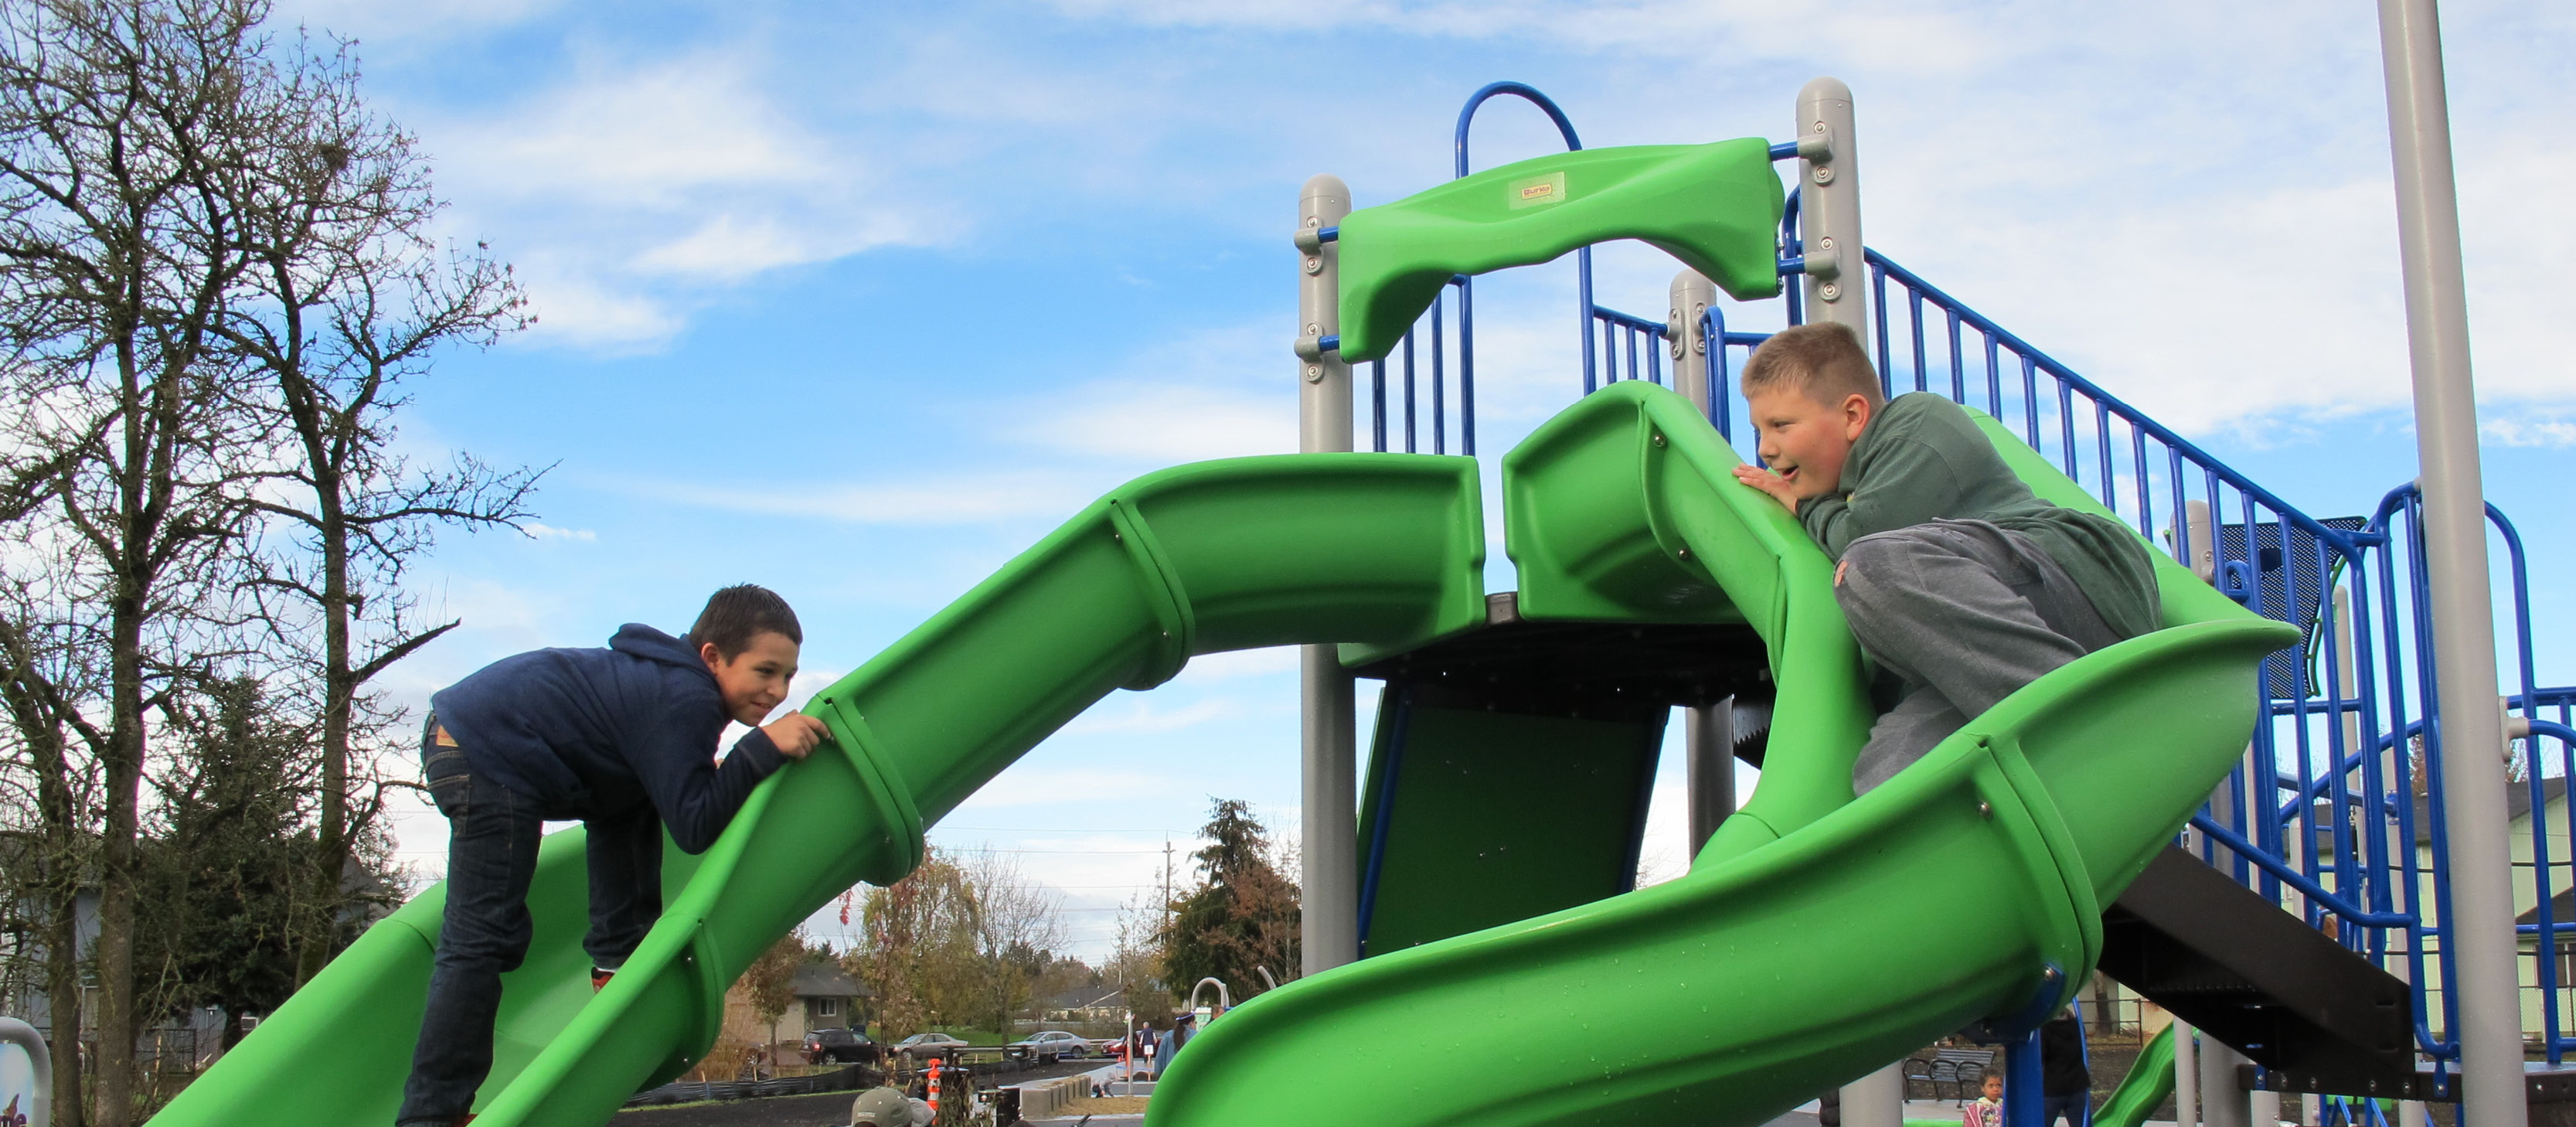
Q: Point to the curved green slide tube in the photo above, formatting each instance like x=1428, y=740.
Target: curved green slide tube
x=1764, y=976
x=1234, y=554
x=2150, y=1080
x=1715, y=206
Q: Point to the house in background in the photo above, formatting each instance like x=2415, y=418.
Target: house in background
x=826, y=997
x=829, y=998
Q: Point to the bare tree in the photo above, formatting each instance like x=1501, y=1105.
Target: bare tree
x=1019, y=926
x=115, y=263
x=346, y=296
x=48, y=664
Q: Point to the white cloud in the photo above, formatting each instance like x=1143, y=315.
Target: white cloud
x=909, y=502
x=1025, y=785
x=632, y=191
x=2531, y=432
x=1242, y=663
x=1144, y=717
x=536, y=531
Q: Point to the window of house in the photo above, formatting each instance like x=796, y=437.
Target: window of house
x=825, y=1007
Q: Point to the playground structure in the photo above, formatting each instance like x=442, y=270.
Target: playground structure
x=1512, y=973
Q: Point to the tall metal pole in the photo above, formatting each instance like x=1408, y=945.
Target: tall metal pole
x=1708, y=731
x=1829, y=225
x=2186, y=1067
x=1329, y=843
x=2470, y=728
x=1829, y=209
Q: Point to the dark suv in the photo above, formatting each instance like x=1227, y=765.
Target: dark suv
x=840, y=1046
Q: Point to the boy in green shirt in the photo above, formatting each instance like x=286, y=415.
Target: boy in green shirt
x=1955, y=578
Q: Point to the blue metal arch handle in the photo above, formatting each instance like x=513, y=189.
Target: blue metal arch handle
x=1524, y=91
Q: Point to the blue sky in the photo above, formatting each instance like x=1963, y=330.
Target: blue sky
x=857, y=300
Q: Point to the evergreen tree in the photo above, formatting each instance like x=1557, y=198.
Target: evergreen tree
x=1243, y=917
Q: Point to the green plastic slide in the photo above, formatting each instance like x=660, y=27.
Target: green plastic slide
x=1213, y=556
x=2150, y=1080
x=1822, y=938
x=1716, y=207
x=1726, y=997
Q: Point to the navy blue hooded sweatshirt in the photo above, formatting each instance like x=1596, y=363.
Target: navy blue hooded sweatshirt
x=592, y=733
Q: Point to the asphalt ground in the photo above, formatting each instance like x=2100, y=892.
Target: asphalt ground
x=823, y=1109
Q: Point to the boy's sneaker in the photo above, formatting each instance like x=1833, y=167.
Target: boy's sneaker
x=599, y=979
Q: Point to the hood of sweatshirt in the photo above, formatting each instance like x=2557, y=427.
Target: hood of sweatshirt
x=638, y=640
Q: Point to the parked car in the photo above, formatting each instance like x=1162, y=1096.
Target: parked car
x=840, y=1046
x=1048, y=1047
x=923, y=1046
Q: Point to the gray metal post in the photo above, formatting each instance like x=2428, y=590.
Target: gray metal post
x=1329, y=841
x=1829, y=208
x=2186, y=1076
x=2455, y=539
x=1708, y=731
x=1694, y=366
x=2224, y=1101
x=40, y=1111
x=1876, y=1099
x=1829, y=222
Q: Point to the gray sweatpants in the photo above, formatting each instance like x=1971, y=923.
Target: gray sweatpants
x=1964, y=613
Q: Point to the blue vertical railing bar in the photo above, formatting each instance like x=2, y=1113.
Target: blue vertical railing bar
x=1582, y=257
x=1439, y=405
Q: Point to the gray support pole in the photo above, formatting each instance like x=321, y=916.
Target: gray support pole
x=1330, y=830
x=2224, y=1101
x=1876, y=1099
x=40, y=1060
x=2186, y=1065
x=1708, y=730
x=2455, y=539
x=1694, y=366
x=1829, y=221
x=1829, y=209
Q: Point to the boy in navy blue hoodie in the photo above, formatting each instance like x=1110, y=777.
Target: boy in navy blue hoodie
x=623, y=738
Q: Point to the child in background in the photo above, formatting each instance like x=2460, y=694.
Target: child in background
x=1956, y=579
x=622, y=738
x=1986, y=1110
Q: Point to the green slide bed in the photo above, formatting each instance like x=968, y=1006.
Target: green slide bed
x=1213, y=556
x=1816, y=937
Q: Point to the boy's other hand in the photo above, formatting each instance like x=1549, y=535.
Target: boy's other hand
x=1772, y=485
x=796, y=734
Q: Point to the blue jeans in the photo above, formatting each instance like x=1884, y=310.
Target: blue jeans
x=2070, y=1108
x=491, y=858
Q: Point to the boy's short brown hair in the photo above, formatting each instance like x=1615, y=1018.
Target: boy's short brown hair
x=1823, y=359
x=737, y=613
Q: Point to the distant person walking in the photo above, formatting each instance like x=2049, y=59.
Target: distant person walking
x=2063, y=1079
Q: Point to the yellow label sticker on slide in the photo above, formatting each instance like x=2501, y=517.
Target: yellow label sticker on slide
x=1537, y=190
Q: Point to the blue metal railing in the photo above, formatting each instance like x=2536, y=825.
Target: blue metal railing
x=2337, y=812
